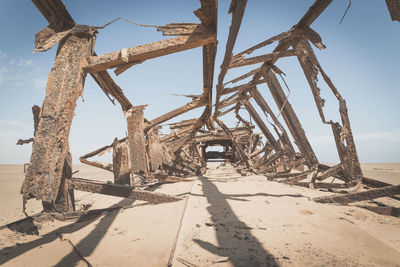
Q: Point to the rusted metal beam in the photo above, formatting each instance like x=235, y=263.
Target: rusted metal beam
x=137, y=145
x=314, y=12
x=119, y=191
x=51, y=140
x=121, y=168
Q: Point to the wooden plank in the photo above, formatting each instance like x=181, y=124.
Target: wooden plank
x=64, y=86
x=136, y=142
x=55, y=13
x=119, y=191
x=237, y=9
x=109, y=87
x=314, y=12
x=271, y=139
x=311, y=15
x=257, y=96
x=343, y=134
x=241, y=61
x=388, y=211
x=290, y=117
x=394, y=9
x=147, y=51
x=386, y=191
x=196, y=103
x=374, y=183
x=322, y=185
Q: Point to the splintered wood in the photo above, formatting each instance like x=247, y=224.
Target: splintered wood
x=147, y=154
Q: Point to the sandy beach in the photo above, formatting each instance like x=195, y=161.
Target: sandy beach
x=223, y=219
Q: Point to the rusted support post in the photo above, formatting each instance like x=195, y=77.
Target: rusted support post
x=50, y=148
x=137, y=145
x=289, y=116
x=121, y=169
x=65, y=201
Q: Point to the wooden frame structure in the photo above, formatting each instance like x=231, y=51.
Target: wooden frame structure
x=145, y=154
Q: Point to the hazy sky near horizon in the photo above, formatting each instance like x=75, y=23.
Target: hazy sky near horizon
x=362, y=59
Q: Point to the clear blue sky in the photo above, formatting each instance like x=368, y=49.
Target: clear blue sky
x=362, y=58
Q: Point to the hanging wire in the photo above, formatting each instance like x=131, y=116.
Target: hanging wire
x=347, y=9
x=287, y=96
x=128, y=20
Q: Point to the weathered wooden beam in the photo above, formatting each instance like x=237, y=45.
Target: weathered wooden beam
x=119, y=191
x=20, y=142
x=374, y=183
x=262, y=44
x=314, y=12
x=237, y=9
x=84, y=159
x=181, y=124
x=241, y=61
x=179, y=29
x=394, y=9
x=222, y=113
x=55, y=13
x=64, y=86
x=289, y=116
x=121, y=168
x=196, y=103
x=386, y=191
x=137, y=146
x=256, y=117
x=346, y=150
x=147, y=51
x=244, y=76
x=109, y=87
x=243, y=87
x=257, y=96
x=322, y=185
x=388, y=211
x=331, y=172
x=311, y=15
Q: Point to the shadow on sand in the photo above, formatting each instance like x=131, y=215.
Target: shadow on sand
x=86, y=246
x=234, y=237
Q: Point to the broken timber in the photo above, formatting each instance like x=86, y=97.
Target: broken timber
x=386, y=191
x=147, y=51
x=119, y=191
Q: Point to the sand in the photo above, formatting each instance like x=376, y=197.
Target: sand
x=224, y=219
